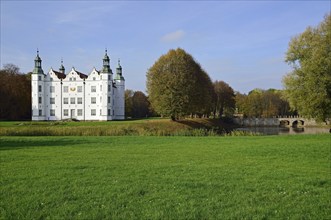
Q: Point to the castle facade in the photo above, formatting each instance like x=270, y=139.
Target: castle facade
x=75, y=95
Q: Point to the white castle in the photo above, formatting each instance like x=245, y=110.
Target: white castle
x=59, y=96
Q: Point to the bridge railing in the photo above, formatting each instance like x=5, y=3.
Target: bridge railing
x=289, y=116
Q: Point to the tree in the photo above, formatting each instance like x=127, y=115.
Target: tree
x=128, y=103
x=308, y=86
x=177, y=85
x=224, y=98
x=262, y=103
x=140, y=105
x=15, y=94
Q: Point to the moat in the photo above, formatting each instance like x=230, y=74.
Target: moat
x=285, y=130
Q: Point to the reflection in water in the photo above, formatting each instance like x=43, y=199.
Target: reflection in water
x=284, y=130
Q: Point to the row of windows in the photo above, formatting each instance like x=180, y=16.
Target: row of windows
x=51, y=89
x=79, y=112
x=72, y=100
x=79, y=89
x=74, y=79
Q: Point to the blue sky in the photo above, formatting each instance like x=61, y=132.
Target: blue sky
x=240, y=42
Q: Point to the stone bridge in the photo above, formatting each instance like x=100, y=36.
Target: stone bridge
x=290, y=121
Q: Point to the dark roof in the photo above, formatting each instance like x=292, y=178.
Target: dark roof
x=81, y=75
x=59, y=74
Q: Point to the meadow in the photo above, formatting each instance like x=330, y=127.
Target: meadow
x=141, y=177
x=141, y=127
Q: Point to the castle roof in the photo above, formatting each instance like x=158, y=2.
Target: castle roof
x=81, y=75
x=59, y=74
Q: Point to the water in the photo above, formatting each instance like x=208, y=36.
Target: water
x=285, y=130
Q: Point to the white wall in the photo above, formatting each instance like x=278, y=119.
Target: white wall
x=99, y=81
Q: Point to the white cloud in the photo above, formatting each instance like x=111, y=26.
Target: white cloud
x=173, y=36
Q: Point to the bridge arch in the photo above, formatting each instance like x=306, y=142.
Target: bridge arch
x=284, y=123
x=298, y=123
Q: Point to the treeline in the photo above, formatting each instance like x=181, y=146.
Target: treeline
x=15, y=94
x=263, y=103
x=179, y=87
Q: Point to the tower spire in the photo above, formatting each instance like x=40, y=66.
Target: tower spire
x=106, y=65
x=119, y=75
x=37, y=64
x=62, y=69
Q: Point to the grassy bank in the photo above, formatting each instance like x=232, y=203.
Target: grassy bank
x=275, y=177
x=144, y=127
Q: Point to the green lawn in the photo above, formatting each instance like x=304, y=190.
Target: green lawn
x=130, y=177
x=141, y=127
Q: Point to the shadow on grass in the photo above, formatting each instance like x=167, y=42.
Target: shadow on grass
x=20, y=143
x=192, y=124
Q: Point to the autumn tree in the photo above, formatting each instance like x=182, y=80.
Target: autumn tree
x=262, y=103
x=224, y=99
x=15, y=94
x=137, y=104
x=177, y=85
x=308, y=86
x=140, y=105
x=128, y=103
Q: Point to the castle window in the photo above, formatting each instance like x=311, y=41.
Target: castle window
x=65, y=100
x=100, y=87
x=93, y=100
x=93, y=112
x=79, y=112
x=65, y=89
x=109, y=77
x=108, y=99
x=108, y=112
x=93, y=88
x=72, y=100
x=109, y=88
x=65, y=112
x=51, y=79
x=52, y=101
x=52, y=112
x=39, y=100
x=74, y=79
x=40, y=112
x=39, y=88
x=100, y=112
x=79, y=89
x=39, y=78
x=94, y=78
x=52, y=89
x=79, y=100
x=70, y=79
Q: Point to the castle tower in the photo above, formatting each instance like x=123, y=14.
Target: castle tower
x=120, y=93
x=62, y=69
x=38, y=91
x=107, y=89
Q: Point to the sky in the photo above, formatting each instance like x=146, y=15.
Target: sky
x=240, y=42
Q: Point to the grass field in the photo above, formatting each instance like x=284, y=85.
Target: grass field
x=266, y=177
x=142, y=127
